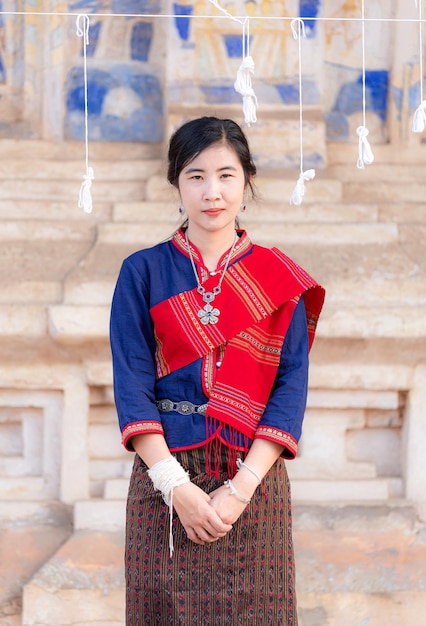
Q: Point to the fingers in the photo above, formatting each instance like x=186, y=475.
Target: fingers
x=208, y=530
x=202, y=535
x=200, y=520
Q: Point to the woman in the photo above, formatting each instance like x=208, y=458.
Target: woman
x=210, y=337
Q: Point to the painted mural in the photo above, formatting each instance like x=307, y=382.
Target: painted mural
x=11, y=71
x=140, y=67
x=216, y=46
x=209, y=52
x=125, y=91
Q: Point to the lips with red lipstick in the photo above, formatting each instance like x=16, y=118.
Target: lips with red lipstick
x=214, y=211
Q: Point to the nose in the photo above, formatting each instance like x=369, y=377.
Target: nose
x=212, y=189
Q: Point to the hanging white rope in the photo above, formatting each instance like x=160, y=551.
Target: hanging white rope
x=243, y=83
x=299, y=189
x=298, y=29
x=85, y=196
x=419, y=119
x=365, y=153
x=216, y=4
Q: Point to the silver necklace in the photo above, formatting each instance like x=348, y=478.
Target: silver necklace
x=209, y=314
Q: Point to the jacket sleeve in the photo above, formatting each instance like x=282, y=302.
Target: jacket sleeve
x=133, y=351
x=282, y=419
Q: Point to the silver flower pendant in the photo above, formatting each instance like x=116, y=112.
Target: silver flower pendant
x=208, y=314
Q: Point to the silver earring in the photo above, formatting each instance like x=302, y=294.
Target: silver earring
x=181, y=210
x=243, y=208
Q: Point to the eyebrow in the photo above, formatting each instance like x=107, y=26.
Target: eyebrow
x=192, y=170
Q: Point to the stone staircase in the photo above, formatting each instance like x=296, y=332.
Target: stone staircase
x=360, y=547
x=356, y=565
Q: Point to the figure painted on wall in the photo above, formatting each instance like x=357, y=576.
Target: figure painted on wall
x=207, y=75
x=125, y=96
x=343, y=99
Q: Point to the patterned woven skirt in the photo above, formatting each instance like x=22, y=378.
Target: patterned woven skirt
x=243, y=579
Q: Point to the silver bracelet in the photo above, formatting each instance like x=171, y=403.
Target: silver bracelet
x=241, y=464
x=234, y=491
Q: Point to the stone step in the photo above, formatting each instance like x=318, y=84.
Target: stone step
x=30, y=291
x=116, y=489
x=109, y=513
x=63, y=190
x=30, y=533
x=41, y=150
x=362, y=323
x=384, y=191
x=316, y=491
x=23, y=320
x=355, y=565
x=353, y=578
x=393, y=515
x=48, y=210
x=257, y=211
x=57, y=170
x=79, y=322
x=380, y=171
x=22, y=488
x=37, y=230
x=81, y=291
x=307, y=234
x=396, y=211
x=82, y=584
x=278, y=189
x=28, y=512
x=100, y=514
x=385, y=154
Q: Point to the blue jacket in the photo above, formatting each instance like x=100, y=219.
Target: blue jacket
x=148, y=277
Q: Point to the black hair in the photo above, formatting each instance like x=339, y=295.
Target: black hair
x=196, y=135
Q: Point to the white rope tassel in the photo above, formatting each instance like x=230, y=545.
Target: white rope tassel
x=419, y=119
x=244, y=87
x=166, y=475
x=298, y=30
x=299, y=190
x=365, y=153
x=85, y=196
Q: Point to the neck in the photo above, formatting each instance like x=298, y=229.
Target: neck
x=212, y=246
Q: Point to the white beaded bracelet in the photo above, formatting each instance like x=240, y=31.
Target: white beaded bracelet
x=234, y=491
x=241, y=464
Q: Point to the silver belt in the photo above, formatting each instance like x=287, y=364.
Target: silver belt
x=184, y=407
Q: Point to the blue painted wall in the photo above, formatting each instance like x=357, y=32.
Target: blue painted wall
x=130, y=79
x=349, y=101
x=143, y=123
x=309, y=9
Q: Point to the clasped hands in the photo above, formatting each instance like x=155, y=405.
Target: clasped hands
x=208, y=517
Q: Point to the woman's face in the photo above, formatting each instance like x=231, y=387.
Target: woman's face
x=211, y=189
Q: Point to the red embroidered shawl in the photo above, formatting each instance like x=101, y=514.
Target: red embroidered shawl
x=258, y=297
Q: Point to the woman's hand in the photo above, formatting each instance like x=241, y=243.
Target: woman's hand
x=227, y=505
x=201, y=522
x=262, y=455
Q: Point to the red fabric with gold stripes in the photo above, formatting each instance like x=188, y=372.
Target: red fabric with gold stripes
x=256, y=303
